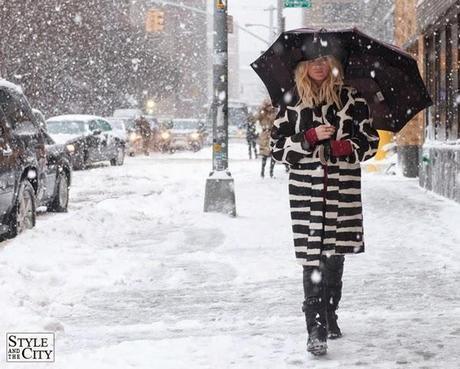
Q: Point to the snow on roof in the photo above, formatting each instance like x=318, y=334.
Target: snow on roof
x=127, y=113
x=10, y=85
x=74, y=117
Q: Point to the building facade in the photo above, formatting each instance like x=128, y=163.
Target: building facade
x=409, y=141
x=334, y=14
x=438, y=27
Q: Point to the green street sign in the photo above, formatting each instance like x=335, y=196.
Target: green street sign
x=297, y=3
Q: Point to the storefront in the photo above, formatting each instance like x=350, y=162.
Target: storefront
x=438, y=24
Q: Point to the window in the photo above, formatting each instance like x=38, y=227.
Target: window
x=455, y=130
x=18, y=113
x=69, y=127
x=437, y=83
x=93, y=125
x=104, y=126
x=430, y=59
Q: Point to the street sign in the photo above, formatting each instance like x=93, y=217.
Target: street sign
x=297, y=3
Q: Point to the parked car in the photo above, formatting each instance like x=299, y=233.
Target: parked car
x=188, y=134
x=26, y=179
x=22, y=161
x=58, y=176
x=88, y=138
x=118, y=127
x=40, y=118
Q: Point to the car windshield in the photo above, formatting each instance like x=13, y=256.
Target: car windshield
x=186, y=124
x=66, y=127
x=116, y=124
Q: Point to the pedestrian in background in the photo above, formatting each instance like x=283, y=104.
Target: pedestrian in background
x=266, y=116
x=251, y=135
x=323, y=130
x=143, y=127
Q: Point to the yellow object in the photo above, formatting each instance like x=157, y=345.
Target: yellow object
x=220, y=4
x=385, y=138
x=154, y=21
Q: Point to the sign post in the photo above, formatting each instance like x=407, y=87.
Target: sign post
x=220, y=193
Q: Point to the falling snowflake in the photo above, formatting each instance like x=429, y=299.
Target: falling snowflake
x=316, y=277
x=287, y=97
x=335, y=72
x=77, y=19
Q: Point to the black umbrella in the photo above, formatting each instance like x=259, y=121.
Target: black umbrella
x=386, y=76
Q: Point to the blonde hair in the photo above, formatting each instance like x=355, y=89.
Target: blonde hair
x=329, y=91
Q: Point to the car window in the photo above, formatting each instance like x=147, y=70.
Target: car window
x=66, y=127
x=3, y=137
x=18, y=114
x=93, y=125
x=104, y=126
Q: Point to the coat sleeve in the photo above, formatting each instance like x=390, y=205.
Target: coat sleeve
x=287, y=146
x=365, y=138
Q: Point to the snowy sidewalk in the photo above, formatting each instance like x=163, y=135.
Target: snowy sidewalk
x=137, y=276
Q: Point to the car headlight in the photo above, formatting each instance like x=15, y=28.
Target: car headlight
x=70, y=148
x=195, y=136
x=165, y=135
x=133, y=136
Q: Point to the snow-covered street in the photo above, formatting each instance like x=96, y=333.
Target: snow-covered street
x=136, y=275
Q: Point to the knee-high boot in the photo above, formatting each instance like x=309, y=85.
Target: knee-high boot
x=314, y=308
x=333, y=272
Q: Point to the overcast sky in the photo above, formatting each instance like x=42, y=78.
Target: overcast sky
x=252, y=11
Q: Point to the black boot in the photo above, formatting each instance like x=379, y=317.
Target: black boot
x=333, y=329
x=333, y=271
x=314, y=308
x=316, y=325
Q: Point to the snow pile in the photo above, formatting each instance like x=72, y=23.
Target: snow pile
x=137, y=276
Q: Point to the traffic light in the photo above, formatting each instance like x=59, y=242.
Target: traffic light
x=154, y=21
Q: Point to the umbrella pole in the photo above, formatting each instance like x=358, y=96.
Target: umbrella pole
x=220, y=194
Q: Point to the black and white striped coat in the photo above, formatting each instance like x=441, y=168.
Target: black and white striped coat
x=325, y=201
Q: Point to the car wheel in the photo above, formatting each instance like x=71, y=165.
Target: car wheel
x=61, y=199
x=120, y=158
x=23, y=214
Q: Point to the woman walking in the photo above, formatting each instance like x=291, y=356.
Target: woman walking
x=323, y=130
x=266, y=116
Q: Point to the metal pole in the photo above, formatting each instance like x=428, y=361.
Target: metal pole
x=280, y=18
x=220, y=195
x=220, y=84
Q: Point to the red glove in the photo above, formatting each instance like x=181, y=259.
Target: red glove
x=311, y=136
x=341, y=148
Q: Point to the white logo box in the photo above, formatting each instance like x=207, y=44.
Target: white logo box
x=27, y=347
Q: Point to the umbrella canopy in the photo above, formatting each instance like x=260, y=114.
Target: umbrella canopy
x=386, y=76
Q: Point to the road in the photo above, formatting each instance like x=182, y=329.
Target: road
x=135, y=275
